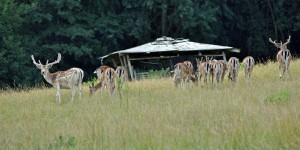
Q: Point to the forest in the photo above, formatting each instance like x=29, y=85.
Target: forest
x=84, y=30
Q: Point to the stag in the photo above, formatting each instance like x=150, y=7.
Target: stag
x=62, y=79
x=283, y=56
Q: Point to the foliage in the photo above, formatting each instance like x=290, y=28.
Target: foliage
x=82, y=31
x=159, y=73
x=282, y=96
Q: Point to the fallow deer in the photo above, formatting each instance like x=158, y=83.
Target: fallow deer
x=192, y=77
x=248, y=63
x=225, y=68
x=99, y=71
x=233, y=69
x=61, y=79
x=101, y=84
x=203, y=69
x=109, y=79
x=283, y=56
x=217, y=71
x=94, y=88
x=182, y=74
x=122, y=76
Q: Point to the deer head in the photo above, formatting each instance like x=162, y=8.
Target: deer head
x=45, y=68
x=280, y=45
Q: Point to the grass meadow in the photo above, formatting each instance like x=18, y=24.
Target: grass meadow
x=153, y=114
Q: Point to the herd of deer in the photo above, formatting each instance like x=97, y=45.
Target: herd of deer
x=216, y=69
x=113, y=79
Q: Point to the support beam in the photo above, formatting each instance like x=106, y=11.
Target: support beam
x=114, y=62
x=124, y=61
x=224, y=56
x=130, y=67
x=121, y=60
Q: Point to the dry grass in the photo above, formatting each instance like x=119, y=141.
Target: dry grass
x=153, y=114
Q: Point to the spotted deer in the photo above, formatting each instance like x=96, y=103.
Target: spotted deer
x=94, y=88
x=224, y=70
x=181, y=74
x=122, y=76
x=248, y=63
x=99, y=71
x=283, y=56
x=203, y=69
x=100, y=75
x=62, y=79
x=217, y=71
x=109, y=79
x=192, y=76
x=233, y=69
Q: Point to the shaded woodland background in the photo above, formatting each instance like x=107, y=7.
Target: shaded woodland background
x=83, y=30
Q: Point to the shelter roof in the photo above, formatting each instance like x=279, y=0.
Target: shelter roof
x=168, y=44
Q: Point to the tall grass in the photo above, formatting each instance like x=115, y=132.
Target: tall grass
x=153, y=114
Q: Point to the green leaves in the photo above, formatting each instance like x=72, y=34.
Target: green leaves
x=282, y=96
x=85, y=30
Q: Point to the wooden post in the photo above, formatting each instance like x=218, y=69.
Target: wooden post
x=114, y=62
x=130, y=67
x=121, y=61
x=124, y=61
x=224, y=56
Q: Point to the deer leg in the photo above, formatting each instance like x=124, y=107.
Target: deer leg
x=73, y=91
x=79, y=90
x=280, y=71
x=58, y=100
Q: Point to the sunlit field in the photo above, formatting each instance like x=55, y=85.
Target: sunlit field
x=153, y=114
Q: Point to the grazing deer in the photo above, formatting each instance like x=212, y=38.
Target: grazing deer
x=109, y=79
x=181, y=74
x=233, y=69
x=122, y=76
x=283, y=56
x=61, y=79
x=203, y=69
x=248, y=63
x=192, y=77
x=94, y=88
x=99, y=71
x=101, y=84
x=224, y=70
x=217, y=71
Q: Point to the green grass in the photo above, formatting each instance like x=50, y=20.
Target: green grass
x=153, y=114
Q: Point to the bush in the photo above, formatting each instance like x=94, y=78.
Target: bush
x=282, y=96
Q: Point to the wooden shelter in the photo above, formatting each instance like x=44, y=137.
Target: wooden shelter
x=165, y=48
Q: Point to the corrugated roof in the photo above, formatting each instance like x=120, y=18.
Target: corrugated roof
x=167, y=44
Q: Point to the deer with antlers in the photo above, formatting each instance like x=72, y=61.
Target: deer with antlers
x=248, y=63
x=62, y=79
x=283, y=56
x=233, y=69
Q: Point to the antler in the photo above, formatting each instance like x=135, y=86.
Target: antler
x=288, y=41
x=274, y=42
x=55, y=62
x=34, y=62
